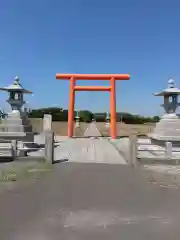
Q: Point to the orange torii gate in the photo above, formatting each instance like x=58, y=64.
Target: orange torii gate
x=111, y=89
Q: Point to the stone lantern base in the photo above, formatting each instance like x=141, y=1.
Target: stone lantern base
x=107, y=124
x=167, y=129
x=77, y=124
x=18, y=122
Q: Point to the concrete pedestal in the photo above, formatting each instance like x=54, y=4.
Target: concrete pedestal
x=167, y=130
x=17, y=122
x=107, y=124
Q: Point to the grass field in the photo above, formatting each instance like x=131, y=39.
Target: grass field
x=60, y=128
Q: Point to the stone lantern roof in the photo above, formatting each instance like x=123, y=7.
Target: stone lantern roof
x=16, y=86
x=170, y=90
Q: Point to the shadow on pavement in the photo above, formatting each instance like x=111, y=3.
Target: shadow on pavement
x=60, y=161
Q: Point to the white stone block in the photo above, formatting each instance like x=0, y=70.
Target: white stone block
x=168, y=150
x=47, y=122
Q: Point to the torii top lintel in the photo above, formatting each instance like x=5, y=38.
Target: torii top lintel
x=67, y=76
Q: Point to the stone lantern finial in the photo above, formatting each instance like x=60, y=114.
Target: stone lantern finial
x=16, y=80
x=171, y=83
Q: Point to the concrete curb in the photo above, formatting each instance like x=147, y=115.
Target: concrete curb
x=113, y=143
x=163, y=160
x=136, y=165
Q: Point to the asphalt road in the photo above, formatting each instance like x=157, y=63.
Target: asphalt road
x=82, y=201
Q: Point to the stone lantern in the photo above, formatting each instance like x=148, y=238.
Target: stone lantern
x=16, y=95
x=168, y=128
x=17, y=121
x=107, y=119
x=170, y=95
x=77, y=120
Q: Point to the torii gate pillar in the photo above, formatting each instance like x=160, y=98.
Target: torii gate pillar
x=111, y=89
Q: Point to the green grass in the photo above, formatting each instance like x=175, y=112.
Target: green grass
x=23, y=171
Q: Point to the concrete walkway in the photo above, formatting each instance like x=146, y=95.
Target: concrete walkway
x=88, y=150
x=90, y=201
x=85, y=150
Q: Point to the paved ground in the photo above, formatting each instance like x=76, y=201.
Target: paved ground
x=90, y=201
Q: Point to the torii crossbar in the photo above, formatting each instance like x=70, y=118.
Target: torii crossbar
x=74, y=88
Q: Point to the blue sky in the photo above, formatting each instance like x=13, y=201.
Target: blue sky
x=41, y=38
